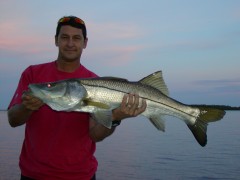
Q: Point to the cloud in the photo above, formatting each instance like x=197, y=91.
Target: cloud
x=115, y=39
x=114, y=31
x=15, y=37
x=114, y=55
x=205, y=42
x=26, y=44
x=222, y=86
x=194, y=45
x=236, y=13
x=114, y=44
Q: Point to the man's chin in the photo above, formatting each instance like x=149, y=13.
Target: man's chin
x=71, y=58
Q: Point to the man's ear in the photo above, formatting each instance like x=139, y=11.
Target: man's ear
x=56, y=41
x=85, y=42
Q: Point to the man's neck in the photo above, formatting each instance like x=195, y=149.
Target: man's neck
x=67, y=66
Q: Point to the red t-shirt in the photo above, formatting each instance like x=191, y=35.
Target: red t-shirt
x=57, y=145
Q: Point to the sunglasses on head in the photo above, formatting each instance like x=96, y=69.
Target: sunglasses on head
x=67, y=19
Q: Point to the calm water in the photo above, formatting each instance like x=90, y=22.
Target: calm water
x=138, y=151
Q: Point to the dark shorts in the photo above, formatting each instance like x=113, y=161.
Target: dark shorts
x=27, y=178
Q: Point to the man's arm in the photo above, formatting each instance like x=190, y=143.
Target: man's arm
x=129, y=108
x=19, y=113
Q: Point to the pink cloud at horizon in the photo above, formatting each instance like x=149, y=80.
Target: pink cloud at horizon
x=115, y=55
x=113, y=31
x=15, y=38
x=114, y=42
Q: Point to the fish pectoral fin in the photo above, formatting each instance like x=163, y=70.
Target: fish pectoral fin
x=158, y=122
x=100, y=105
x=103, y=117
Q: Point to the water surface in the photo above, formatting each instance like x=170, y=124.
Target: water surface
x=138, y=151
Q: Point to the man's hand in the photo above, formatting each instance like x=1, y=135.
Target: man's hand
x=30, y=102
x=19, y=113
x=132, y=105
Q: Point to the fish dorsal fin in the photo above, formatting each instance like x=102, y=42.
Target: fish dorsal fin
x=156, y=80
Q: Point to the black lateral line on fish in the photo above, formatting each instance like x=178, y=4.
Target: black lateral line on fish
x=104, y=87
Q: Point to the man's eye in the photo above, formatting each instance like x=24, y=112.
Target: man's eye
x=64, y=37
x=77, y=38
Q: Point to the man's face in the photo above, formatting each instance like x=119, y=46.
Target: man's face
x=71, y=43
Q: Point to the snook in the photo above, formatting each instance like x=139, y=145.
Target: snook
x=101, y=95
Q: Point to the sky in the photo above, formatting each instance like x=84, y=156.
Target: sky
x=196, y=44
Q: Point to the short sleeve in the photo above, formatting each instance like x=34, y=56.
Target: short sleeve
x=22, y=86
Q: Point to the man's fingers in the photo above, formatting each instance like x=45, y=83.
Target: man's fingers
x=132, y=105
x=31, y=102
x=124, y=102
x=141, y=109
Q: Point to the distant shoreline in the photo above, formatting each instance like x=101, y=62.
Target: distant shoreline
x=222, y=107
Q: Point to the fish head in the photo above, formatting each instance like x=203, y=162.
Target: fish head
x=60, y=95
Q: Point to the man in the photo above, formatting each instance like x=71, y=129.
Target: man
x=61, y=145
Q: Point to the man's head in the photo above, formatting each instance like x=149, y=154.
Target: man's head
x=71, y=38
x=71, y=21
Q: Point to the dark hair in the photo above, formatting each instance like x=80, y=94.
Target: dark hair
x=71, y=21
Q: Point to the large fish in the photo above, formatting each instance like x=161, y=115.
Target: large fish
x=103, y=94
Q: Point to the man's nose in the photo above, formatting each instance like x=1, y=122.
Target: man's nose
x=70, y=42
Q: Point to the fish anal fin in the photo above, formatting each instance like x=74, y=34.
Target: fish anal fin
x=158, y=122
x=156, y=80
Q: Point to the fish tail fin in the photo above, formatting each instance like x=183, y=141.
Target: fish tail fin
x=199, y=129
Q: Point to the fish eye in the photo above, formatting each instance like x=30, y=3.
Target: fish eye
x=49, y=85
